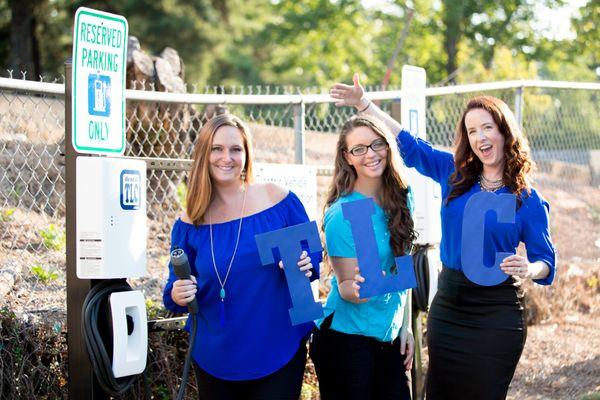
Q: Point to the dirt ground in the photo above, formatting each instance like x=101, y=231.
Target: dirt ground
x=560, y=360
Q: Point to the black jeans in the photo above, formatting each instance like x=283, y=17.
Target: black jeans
x=356, y=367
x=284, y=384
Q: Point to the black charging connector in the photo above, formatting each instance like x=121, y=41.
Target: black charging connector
x=182, y=269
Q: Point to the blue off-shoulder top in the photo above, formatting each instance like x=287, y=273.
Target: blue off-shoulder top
x=257, y=337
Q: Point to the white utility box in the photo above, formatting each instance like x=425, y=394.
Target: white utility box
x=427, y=192
x=111, y=218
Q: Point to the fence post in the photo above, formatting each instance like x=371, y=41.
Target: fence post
x=519, y=105
x=299, y=132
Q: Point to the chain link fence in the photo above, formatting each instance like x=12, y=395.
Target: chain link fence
x=289, y=125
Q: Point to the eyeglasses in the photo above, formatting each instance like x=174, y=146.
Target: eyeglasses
x=361, y=149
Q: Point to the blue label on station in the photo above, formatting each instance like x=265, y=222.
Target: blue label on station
x=99, y=95
x=131, y=189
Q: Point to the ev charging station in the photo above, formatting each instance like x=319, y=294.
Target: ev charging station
x=106, y=212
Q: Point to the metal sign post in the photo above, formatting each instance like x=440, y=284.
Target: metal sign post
x=94, y=124
x=82, y=382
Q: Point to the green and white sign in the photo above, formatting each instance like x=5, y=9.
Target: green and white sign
x=99, y=64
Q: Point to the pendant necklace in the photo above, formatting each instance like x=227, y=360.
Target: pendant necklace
x=223, y=281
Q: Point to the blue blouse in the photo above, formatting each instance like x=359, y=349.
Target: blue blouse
x=257, y=338
x=531, y=223
x=379, y=317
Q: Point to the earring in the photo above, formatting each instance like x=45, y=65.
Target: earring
x=243, y=175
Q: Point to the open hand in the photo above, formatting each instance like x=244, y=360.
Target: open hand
x=349, y=95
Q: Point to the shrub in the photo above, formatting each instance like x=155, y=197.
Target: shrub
x=53, y=238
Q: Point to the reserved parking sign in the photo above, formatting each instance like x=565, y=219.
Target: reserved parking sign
x=99, y=64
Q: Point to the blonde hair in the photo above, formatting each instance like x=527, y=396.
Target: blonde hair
x=199, y=191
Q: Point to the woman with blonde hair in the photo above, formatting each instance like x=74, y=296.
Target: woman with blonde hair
x=476, y=333
x=359, y=351
x=246, y=346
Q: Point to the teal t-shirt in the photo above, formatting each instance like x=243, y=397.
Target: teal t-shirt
x=381, y=316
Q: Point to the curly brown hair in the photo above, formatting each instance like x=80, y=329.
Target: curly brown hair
x=394, y=198
x=468, y=167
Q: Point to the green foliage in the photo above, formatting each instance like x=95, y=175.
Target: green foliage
x=181, y=194
x=595, y=213
x=154, y=310
x=43, y=274
x=591, y=396
x=318, y=42
x=587, y=42
x=7, y=214
x=53, y=238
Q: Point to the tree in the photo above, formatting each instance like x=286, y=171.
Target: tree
x=487, y=26
x=24, y=47
x=587, y=42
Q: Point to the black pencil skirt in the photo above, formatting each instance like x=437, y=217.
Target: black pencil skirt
x=475, y=336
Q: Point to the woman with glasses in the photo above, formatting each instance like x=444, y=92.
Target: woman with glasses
x=358, y=350
x=476, y=333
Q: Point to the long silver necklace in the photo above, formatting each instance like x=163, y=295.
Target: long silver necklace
x=488, y=185
x=222, y=282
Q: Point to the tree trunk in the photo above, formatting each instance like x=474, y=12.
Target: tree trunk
x=24, y=48
x=452, y=17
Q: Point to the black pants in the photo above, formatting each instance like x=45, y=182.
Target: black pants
x=356, y=367
x=283, y=384
x=475, y=336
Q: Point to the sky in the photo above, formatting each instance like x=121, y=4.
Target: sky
x=556, y=23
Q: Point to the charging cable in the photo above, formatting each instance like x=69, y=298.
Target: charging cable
x=95, y=301
x=421, y=292
x=181, y=267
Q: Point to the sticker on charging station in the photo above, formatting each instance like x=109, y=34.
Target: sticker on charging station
x=90, y=252
x=131, y=189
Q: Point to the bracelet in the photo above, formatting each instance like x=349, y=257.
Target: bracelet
x=365, y=109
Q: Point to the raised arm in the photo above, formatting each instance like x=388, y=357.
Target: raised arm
x=354, y=96
x=417, y=153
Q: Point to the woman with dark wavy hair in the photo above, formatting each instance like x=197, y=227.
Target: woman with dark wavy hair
x=476, y=333
x=363, y=347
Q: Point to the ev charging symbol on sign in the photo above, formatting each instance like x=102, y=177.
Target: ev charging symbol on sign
x=99, y=95
x=131, y=189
